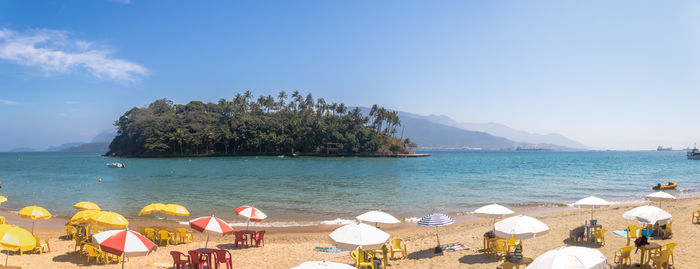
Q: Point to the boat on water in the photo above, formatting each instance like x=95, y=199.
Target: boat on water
x=693, y=154
x=115, y=165
x=660, y=148
x=669, y=186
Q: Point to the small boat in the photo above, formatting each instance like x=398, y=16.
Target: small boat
x=115, y=165
x=694, y=154
x=669, y=186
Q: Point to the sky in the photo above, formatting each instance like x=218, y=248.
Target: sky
x=609, y=74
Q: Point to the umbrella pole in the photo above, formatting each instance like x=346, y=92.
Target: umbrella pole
x=32, y=226
x=247, y=224
x=207, y=243
x=123, y=260
x=7, y=255
x=437, y=249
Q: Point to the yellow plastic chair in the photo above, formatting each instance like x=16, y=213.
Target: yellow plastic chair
x=669, y=247
x=93, y=252
x=42, y=247
x=79, y=242
x=498, y=247
x=512, y=243
x=660, y=260
x=696, y=216
x=623, y=256
x=398, y=246
x=632, y=232
x=165, y=235
x=2, y=220
x=666, y=233
x=600, y=236
x=70, y=231
x=363, y=259
x=185, y=235
x=150, y=234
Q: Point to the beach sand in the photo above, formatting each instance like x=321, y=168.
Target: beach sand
x=288, y=247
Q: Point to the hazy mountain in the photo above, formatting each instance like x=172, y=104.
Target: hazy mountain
x=25, y=149
x=504, y=131
x=64, y=146
x=106, y=136
x=89, y=147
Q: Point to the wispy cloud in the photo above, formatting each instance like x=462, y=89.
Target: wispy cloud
x=126, y=2
x=53, y=51
x=7, y=102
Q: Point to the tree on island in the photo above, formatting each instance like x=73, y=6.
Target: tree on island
x=262, y=126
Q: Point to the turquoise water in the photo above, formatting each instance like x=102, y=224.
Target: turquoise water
x=314, y=189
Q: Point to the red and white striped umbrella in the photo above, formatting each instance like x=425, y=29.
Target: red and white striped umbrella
x=210, y=224
x=252, y=213
x=123, y=242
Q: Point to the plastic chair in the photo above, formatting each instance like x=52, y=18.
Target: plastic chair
x=240, y=238
x=659, y=261
x=363, y=258
x=2, y=220
x=79, y=242
x=185, y=235
x=167, y=236
x=632, y=232
x=499, y=246
x=666, y=232
x=512, y=243
x=259, y=238
x=623, y=255
x=223, y=256
x=93, y=252
x=600, y=236
x=696, y=216
x=397, y=245
x=669, y=247
x=150, y=234
x=197, y=260
x=178, y=262
x=70, y=231
x=42, y=247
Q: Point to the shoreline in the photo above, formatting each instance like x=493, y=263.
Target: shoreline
x=283, y=155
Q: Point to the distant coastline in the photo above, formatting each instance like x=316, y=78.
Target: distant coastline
x=286, y=155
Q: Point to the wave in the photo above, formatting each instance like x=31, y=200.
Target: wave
x=337, y=221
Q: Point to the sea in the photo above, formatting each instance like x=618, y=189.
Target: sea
x=312, y=190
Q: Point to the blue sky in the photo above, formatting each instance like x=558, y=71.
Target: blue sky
x=610, y=74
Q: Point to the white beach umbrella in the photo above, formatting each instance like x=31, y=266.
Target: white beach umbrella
x=648, y=214
x=378, y=217
x=520, y=227
x=659, y=196
x=323, y=265
x=493, y=211
x=570, y=258
x=592, y=202
x=358, y=235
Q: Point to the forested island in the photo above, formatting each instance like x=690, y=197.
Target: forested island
x=287, y=125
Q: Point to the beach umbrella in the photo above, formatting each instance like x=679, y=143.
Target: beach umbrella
x=570, y=257
x=648, y=214
x=124, y=243
x=378, y=217
x=358, y=235
x=592, y=202
x=493, y=211
x=210, y=224
x=520, y=227
x=252, y=213
x=85, y=205
x=34, y=213
x=83, y=216
x=659, y=196
x=323, y=265
x=15, y=238
x=109, y=219
x=152, y=208
x=437, y=220
x=175, y=210
x=3, y=199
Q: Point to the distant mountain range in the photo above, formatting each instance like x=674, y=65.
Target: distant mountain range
x=443, y=132
x=98, y=143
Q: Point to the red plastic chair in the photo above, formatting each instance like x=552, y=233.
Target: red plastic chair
x=179, y=263
x=197, y=260
x=223, y=256
x=259, y=238
x=240, y=238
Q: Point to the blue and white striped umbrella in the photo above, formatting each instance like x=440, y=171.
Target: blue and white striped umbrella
x=435, y=219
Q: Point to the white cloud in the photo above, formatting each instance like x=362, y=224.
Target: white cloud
x=8, y=102
x=52, y=51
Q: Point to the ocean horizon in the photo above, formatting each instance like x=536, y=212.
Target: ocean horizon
x=312, y=190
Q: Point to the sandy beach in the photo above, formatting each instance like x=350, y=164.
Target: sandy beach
x=290, y=246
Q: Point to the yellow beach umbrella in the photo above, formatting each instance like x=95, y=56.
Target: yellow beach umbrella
x=85, y=205
x=109, y=219
x=152, y=208
x=3, y=199
x=83, y=216
x=15, y=238
x=34, y=212
x=175, y=210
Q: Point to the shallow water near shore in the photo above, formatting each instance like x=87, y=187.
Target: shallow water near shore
x=308, y=190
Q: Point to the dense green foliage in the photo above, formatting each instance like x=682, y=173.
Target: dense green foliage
x=243, y=126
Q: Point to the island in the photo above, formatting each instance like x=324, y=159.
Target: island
x=266, y=126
